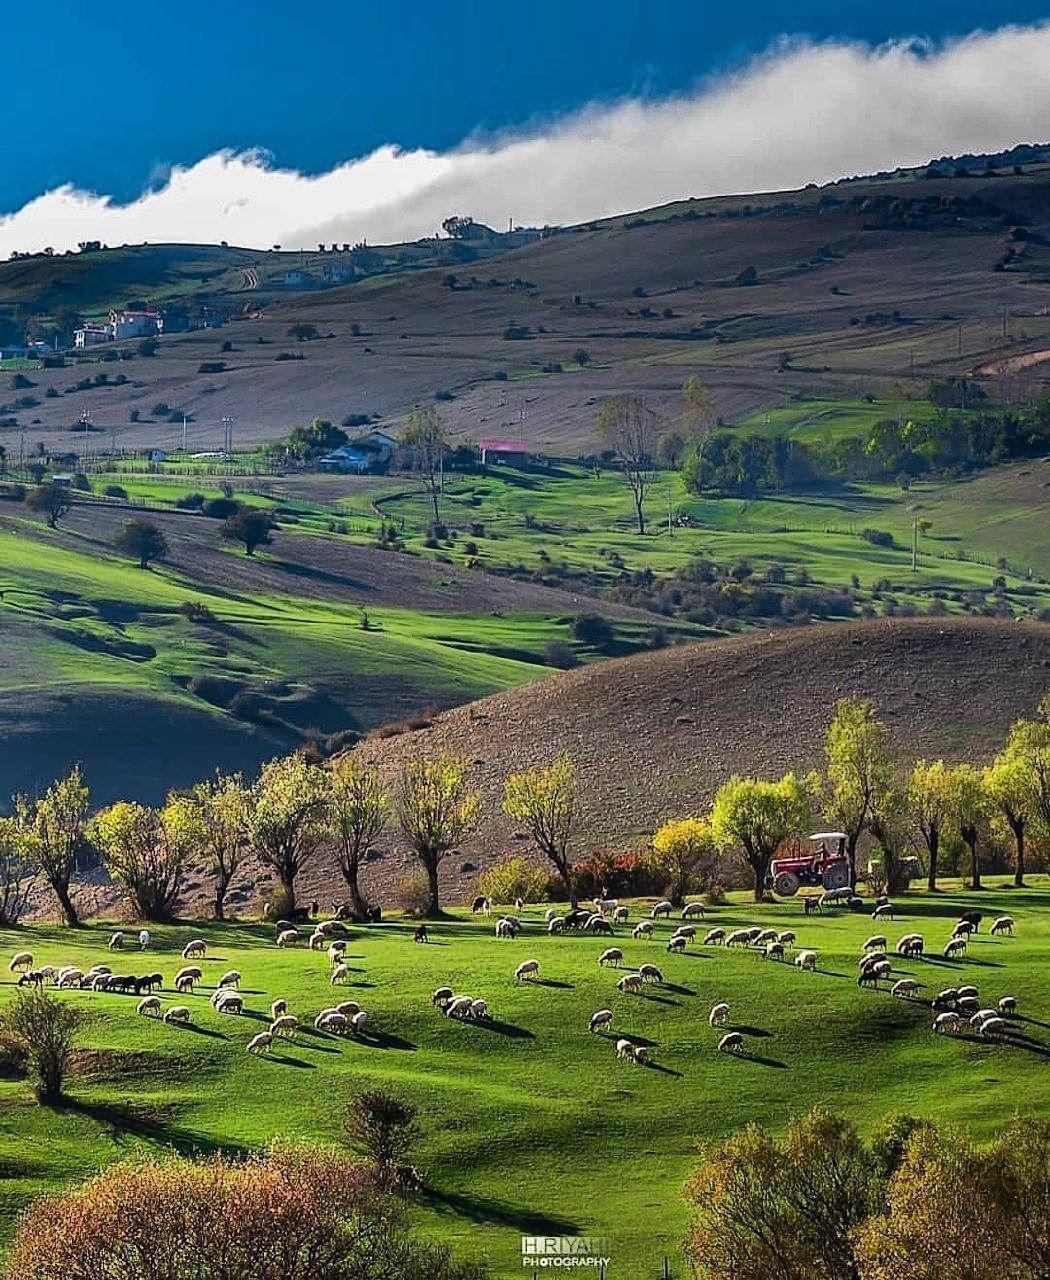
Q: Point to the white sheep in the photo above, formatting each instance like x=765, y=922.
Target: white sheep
x=48, y=971
x=642, y=929
x=963, y=927
x=70, y=977
x=630, y=982
x=602, y=1018
x=278, y=1009
x=1008, y=1004
x=732, y=1042
x=557, y=925
x=144, y=939
x=806, y=960
x=693, y=910
x=286, y=1025
x=441, y=996
x=718, y=1015
x=317, y=941
x=479, y=1010
x=968, y=992
x=505, y=928
x=677, y=943
x=765, y=935
x=993, y=1027
x=786, y=938
x=357, y=1022
x=149, y=1005
x=967, y=1004
x=877, y=942
x=231, y=978
x=458, y=1007
x=946, y=997
x=185, y=978
x=714, y=937
x=527, y=969
x=341, y=973
x=954, y=946
x=336, y=952
x=21, y=960
x=177, y=1013
x=685, y=931
x=904, y=987
x=884, y=911
x=348, y=1008
x=774, y=951
x=1002, y=924
x=612, y=956
x=319, y=1020
x=196, y=947
x=650, y=973
x=738, y=938
x=334, y=1022
x=640, y=1054
x=287, y=938
x=947, y=1023
x=230, y=1002
x=660, y=909
x=622, y=914
x=116, y=940
x=260, y=1043
x=624, y=1048
x=549, y=914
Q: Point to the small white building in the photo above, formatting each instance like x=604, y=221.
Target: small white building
x=91, y=335
x=135, y=324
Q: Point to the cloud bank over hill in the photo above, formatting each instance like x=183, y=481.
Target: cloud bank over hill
x=800, y=113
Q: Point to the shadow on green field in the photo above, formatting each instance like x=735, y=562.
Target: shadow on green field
x=492, y=1212
x=125, y=1120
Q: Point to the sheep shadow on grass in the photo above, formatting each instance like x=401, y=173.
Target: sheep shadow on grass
x=679, y=990
x=554, y=983
x=745, y=1055
x=654, y=998
x=286, y=1060
x=747, y=1030
x=612, y=1036
x=198, y=1030
x=382, y=1040
x=507, y=1029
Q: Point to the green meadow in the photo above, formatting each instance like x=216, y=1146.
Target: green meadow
x=530, y=1124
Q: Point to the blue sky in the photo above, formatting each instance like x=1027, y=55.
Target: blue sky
x=107, y=96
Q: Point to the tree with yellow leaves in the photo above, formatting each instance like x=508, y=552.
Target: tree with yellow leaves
x=285, y=820
x=858, y=770
x=54, y=828
x=145, y=851
x=358, y=808
x=543, y=800
x=435, y=808
x=755, y=817
x=221, y=806
x=931, y=797
x=687, y=852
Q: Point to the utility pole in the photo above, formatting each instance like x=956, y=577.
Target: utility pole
x=183, y=433
x=227, y=435
x=670, y=526
x=960, y=338
x=915, y=544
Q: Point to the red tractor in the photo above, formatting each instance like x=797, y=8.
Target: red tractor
x=823, y=865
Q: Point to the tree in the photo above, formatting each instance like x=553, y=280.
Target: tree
x=512, y=878
x=221, y=822
x=294, y=1212
x=423, y=436
x=51, y=501
x=763, y=1209
x=54, y=828
x=756, y=817
x=698, y=409
x=251, y=525
x=543, y=800
x=631, y=431
x=435, y=809
x=145, y=851
x=382, y=1128
x=858, y=769
x=285, y=819
x=931, y=800
x=687, y=852
x=971, y=813
x=358, y=809
x=889, y=826
x=141, y=540
x=16, y=872
x=44, y=1029
x=671, y=448
x=1018, y=783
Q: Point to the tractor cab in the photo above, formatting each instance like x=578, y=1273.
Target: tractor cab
x=819, y=861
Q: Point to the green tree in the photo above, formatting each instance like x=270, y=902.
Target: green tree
x=44, y=1030
x=220, y=819
x=251, y=525
x=756, y=817
x=145, y=851
x=858, y=769
x=687, y=852
x=54, y=828
x=435, y=809
x=285, y=819
x=382, y=1127
x=52, y=501
x=698, y=409
x=17, y=872
x=631, y=431
x=142, y=540
x=358, y=809
x=513, y=878
x=543, y=800
x=971, y=813
x=931, y=802
x=423, y=437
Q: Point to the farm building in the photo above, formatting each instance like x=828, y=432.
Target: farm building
x=347, y=459
x=135, y=324
x=90, y=335
x=494, y=451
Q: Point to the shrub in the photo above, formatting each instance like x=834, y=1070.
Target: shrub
x=191, y=502
x=630, y=874
x=196, y=612
x=383, y=1128
x=280, y=903
x=592, y=629
x=220, y=508
x=877, y=537
x=412, y=895
x=513, y=878
x=114, y=491
x=45, y=1030
x=557, y=653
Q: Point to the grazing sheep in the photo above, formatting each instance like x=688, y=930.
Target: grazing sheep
x=286, y=1025
x=196, y=947
x=873, y=957
x=458, y=1007
x=341, y=973
x=884, y=911
x=806, y=960
x=660, y=909
x=177, y=1013
x=70, y=978
x=982, y=1015
x=947, y=1023
x=334, y=1022
x=549, y=914
x=519, y=904
x=441, y=996
x=479, y=1010
x=278, y=1009
x=611, y=955
x=527, y=969
x=963, y=927
x=693, y=910
x=877, y=942
x=191, y=972
x=330, y=928
x=868, y=977
x=621, y=915
x=765, y=935
x=1003, y=924
x=732, y=1042
x=603, y=1018
x=319, y=1020
x=774, y=951
x=357, y=1022
x=230, y=1002
x=954, y=947
x=116, y=941
x=811, y=903
x=348, y=1008
x=912, y=945
x=993, y=1027
x=31, y=978
x=753, y=934
x=650, y=973
x=678, y=943
x=713, y=937
x=21, y=960
x=47, y=972
x=598, y=924
x=1008, y=1004
x=420, y=933
x=640, y=1054
x=642, y=929
x=144, y=939
x=630, y=982
x=287, y=938
x=555, y=925
x=904, y=987
x=787, y=938
x=944, y=999
x=974, y=918
x=967, y=992
x=718, y=1015
x=230, y=979
x=624, y=1048
x=738, y=938
x=481, y=904
x=506, y=928
x=150, y=1006
x=317, y=940
x=336, y=952
x=260, y=1043
x=967, y=1004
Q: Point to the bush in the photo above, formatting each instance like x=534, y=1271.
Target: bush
x=220, y=508
x=114, y=491
x=513, y=878
x=412, y=895
x=44, y=1028
x=191, y=502
x=383, y=1128
x=630, y=874
x=196, y=612
x=557, y=653
x=279, y=904
x=593, y=629
x=877, y=537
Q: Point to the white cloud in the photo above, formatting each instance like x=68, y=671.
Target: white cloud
x=802, y=112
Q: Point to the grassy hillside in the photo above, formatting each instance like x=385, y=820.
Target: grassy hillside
x=530, y=1124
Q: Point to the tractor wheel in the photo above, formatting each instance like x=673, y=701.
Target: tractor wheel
x=785, y=884
x=836, y=876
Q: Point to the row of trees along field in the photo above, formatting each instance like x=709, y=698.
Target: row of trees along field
x=296, y=811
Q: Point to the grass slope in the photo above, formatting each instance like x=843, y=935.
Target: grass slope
x=531, y=1125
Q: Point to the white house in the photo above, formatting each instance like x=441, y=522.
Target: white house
x=135, y=324
x=90, y=335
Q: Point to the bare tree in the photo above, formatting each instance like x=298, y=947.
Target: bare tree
x=632, y=432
